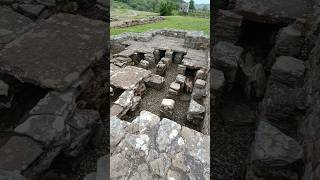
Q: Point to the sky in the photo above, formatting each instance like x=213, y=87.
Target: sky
x=200, y=1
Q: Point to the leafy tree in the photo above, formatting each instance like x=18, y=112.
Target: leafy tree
x=152, y=5
x=205, y=8
x=191, y=5
x=166, y=8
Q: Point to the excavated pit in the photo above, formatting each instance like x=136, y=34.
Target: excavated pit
x=236, y=114
x=152, y=98
x=161, y=49
x=165, y=95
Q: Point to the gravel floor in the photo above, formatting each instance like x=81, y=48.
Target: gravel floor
x=229, y=148
x=151, y=101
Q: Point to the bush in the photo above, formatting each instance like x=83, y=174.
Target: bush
x=166, y=8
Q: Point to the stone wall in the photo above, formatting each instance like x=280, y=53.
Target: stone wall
x=310, y=126
x=196, y=40
x=287, y=81
x=153, y=148
x=135, y=22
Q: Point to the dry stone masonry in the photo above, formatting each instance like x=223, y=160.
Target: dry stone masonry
x=153, y=148
x=265, y=86
x=48, y=72
x=135, y=22
x=166, y=135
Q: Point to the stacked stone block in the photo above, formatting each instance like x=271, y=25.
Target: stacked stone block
x=227, y=27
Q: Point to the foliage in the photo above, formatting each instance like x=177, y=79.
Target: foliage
x=166, y=8
x=149, y=5
x=191, y=5
x=171, y=22
x=119, y=5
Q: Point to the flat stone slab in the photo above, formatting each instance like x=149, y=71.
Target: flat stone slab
x=56, y=52
x=196, y=59
x=275, y=8
x=128, y=77
x=18, y=153
x=157, y=42
x=12, y=25
x=46, y=122
x=114, y=69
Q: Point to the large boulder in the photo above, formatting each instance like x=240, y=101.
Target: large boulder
x=274, y=154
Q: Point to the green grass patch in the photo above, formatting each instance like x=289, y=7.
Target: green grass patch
x=172, y=22
x=125, y=14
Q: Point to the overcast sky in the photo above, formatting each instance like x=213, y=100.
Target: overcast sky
x=200, y=1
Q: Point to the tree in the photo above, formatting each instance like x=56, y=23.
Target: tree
x=166, y=8
x=191, y=5
x=205, y=8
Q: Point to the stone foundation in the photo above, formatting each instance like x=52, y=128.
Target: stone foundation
x=135, y=22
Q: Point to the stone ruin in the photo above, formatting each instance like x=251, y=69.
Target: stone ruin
x=51, y=70
x=135, y=22
x=160, y=106
x=265, y=89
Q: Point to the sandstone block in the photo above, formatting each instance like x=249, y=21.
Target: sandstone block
x=289, y=71
x=200, y=84
x=181, y=69
x=181, y=80
x=155, y=81
x=167, y=107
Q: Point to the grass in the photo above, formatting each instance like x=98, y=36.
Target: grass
x=172, y=22
x=125, y=14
